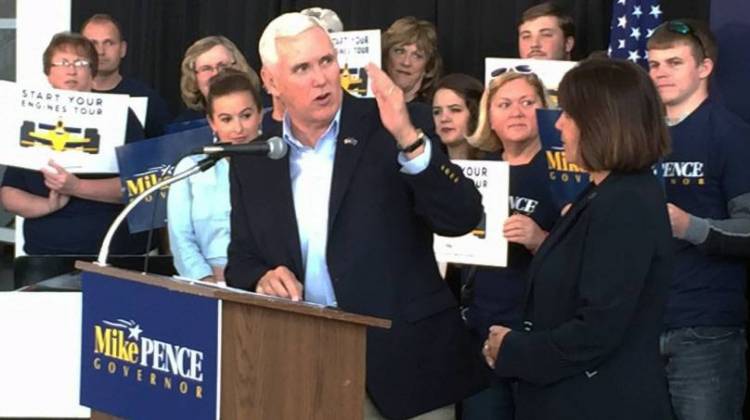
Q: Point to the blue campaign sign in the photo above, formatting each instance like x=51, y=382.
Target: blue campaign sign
x=147, y=352
x=144, y=163
x=567, y=180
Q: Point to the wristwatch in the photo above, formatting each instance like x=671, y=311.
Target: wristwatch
x=414, y=145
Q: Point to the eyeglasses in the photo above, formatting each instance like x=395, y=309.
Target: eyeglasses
x=214, y=69
x=682, y=28
x=79, y=63
x=521, y=68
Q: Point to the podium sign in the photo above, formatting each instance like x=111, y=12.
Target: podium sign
x=148, y=352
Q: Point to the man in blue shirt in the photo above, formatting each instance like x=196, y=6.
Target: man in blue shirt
x=707, y=182
x=347, y=220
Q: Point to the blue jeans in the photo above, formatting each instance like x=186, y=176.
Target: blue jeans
x=706, y=371
x=493, y=403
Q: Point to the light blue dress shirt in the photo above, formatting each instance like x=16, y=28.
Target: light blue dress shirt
x=198, y=211
x=311, y=169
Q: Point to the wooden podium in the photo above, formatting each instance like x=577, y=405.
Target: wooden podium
x=279, y=359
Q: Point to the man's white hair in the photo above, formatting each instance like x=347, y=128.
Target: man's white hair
x=286, y=25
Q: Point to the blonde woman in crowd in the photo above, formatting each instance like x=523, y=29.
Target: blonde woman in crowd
x=411, y=57
x=203, y=60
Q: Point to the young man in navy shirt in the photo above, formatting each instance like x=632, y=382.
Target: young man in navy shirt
x=707, y=182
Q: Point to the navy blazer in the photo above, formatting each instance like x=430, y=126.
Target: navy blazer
x=379, y=253
x=594, y=308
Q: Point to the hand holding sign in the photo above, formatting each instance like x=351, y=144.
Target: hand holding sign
x=56, y=178
x=56, y=201
x=522, y=229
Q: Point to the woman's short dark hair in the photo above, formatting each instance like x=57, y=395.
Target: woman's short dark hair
x=70, y=41
x=619, y=115
x=231, y=81
x=469, y=89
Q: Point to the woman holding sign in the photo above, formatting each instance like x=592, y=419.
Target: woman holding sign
x=508, y=127
x=69, y=214
x=597, y=287
x=198, y=208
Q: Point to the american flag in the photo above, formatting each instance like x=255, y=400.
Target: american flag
x=633, y=22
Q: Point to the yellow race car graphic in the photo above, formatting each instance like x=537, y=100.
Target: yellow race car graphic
x=354, y=80
x=59, y=138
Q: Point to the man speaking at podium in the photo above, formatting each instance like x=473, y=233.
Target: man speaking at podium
x=347, y=219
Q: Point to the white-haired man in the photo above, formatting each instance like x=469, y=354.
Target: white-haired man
x=354, y=208
x=331, y=22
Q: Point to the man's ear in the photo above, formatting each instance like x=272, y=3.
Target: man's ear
x=570, y=42
x=123, y=49
x=706, y=68
x=269, y=80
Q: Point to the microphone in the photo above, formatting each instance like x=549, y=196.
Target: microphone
x=274, y=148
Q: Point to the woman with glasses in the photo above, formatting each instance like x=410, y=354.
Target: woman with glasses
x=203, y=60
x=593, y=302
x=198, y=208
x=507, y=127
x=67, y=213
x=411, y=57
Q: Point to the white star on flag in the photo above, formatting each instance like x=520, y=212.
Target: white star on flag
x=622, y=22
x=635, y=33
x=630, y=28
x=655, y=11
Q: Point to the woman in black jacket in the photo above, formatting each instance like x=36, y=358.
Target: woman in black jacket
x=596, y=290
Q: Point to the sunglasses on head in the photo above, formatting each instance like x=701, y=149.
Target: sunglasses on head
x=682, y=28
x=521, y=68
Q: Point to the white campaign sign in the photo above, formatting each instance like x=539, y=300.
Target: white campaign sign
x=78, y=130
x=485, y=245
x=355, y=50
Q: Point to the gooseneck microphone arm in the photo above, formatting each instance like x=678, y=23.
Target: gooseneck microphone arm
x=199, y=167
x=274, y=148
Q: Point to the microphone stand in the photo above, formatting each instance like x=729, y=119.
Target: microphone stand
x=201, y=166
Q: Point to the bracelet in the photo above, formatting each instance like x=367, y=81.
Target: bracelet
x=415, y=145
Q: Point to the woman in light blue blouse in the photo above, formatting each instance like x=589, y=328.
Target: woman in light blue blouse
x=198, y=208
